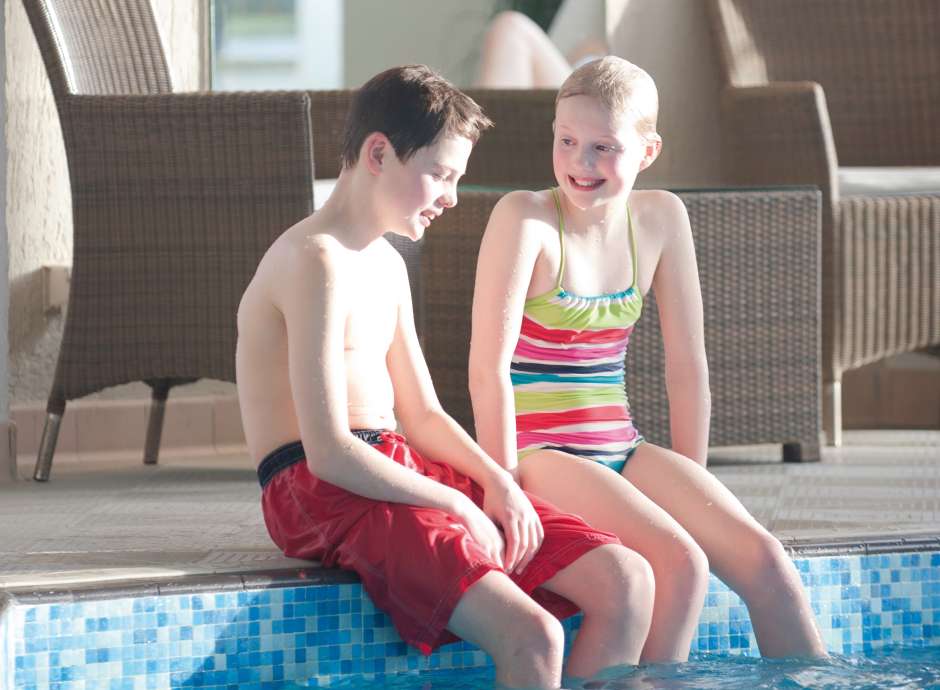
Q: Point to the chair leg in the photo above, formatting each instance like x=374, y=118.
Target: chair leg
x=161, y=389
x=801, y=452
x=50, y=435
x=832, y=412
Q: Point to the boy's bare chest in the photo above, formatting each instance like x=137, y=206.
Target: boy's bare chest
x=372, y=316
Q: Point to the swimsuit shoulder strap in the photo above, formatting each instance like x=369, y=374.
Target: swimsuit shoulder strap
x=561, y=237
x=636, y=261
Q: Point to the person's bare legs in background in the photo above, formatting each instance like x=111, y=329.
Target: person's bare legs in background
x=517, y=54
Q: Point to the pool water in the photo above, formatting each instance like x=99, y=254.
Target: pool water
x=902, y=668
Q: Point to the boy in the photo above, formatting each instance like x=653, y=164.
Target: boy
x=328, y=365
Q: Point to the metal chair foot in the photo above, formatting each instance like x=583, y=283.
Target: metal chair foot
x=161, y=389
x=50, y=435
x=800, y=452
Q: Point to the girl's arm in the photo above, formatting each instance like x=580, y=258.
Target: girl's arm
x=679, y=297
x=504, y=270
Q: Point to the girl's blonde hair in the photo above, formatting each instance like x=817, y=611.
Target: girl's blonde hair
x=622, y=87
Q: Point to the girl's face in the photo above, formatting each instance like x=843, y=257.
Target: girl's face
x=596, y=155
x=423, y=186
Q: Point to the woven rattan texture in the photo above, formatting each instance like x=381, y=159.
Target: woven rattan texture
x=758, y=255
x=890, y=275
x=878, y=62
x=99, y=46
x=814, y=85
x=175, y=197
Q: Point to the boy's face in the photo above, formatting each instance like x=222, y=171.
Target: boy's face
x=419, y=189
x=596, y=155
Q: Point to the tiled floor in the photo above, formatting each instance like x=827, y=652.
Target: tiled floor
x=110, y=520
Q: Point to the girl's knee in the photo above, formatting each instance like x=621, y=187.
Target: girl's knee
x=764, y=563
x=682, y=564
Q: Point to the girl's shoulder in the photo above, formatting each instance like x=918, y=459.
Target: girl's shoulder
x=523, y=222
x=655, y=201
x=525, y=204
x=660, y=213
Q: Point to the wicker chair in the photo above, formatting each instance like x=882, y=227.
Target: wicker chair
x=175, y=197
x=758, y=256
x=812, y=86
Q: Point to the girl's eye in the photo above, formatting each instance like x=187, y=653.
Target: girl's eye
x=604, y=149
x=566, y=141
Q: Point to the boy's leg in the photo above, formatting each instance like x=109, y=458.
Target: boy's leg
x=607, y=502
x=614, y=588
x=526, y=641
x=740, y=550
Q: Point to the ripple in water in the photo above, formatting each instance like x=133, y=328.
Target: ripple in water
x=890, y=669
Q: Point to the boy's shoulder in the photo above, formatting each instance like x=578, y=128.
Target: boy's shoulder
x=304, y=248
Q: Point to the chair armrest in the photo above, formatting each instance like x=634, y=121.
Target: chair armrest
x=779, y=134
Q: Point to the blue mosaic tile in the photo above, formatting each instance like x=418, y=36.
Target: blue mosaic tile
x=265, y=638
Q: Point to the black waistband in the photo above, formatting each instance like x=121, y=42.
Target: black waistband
x=290, y=453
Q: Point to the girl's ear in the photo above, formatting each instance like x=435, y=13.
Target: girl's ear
x=654, y=144
x=374, y=150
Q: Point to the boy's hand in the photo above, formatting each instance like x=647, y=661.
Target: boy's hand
x=506, y=504
x=481, y=528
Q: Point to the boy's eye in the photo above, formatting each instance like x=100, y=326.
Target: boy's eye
x=437, y=177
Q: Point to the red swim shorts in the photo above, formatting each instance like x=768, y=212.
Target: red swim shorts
x=415, y=563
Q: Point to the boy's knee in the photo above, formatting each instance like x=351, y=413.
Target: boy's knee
x=537, y=638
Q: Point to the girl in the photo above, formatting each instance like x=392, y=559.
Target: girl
x=560, y=283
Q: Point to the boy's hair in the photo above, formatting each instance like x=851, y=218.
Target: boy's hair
x=412, y=106
x=622, y=87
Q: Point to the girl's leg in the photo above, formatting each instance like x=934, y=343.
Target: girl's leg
x=614, y=588
x=740, y=550
x=605, y=501
x=518, y=55
x=526, y=642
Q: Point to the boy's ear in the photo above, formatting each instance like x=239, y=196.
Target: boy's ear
x=374, y=151
x=654, y=144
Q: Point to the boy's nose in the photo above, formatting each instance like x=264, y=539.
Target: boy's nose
x=449, y=198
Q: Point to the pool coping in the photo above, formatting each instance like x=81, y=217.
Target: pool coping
x=317, y=575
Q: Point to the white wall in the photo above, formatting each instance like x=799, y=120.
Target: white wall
x=7, y=461
x=670, y=39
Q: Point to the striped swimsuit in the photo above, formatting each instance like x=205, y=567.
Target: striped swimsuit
x=568, y=370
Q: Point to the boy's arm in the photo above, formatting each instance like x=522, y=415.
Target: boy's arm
x=679, y=297
x=310, y=300
x=435, y=434
x=504, y=269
